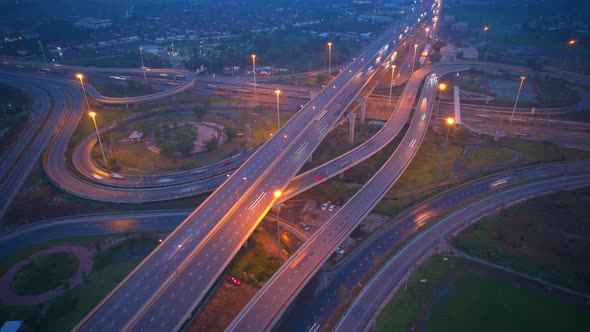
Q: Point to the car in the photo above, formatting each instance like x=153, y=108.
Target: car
x=340, y=250
x=116, y=176
x=319, y=177
x=325, y=206
x=233, y=280
x=305, y=227
x=332, y=207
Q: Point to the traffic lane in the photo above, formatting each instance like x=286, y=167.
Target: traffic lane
x=376, y=291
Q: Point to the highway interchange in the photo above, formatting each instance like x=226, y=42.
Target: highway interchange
x=162, y=291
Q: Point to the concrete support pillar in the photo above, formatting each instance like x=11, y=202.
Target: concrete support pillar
x=457, y=105
x=351, y=118
x=310, y=158
x=363, y=105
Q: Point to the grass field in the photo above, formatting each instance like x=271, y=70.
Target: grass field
x=488, y=155
x=14, y=104
x=459, y=295
x=254, y=264
x=110, y=266
x=545, y=237
x=44, y=273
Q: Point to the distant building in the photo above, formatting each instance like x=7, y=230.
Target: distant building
x=152, y=49
x=374, y=18
x=470, y=53
x=93, y=23
x=448, y=53
x=135, y=136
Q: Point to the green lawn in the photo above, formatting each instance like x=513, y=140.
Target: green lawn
x=461, y=295
x=253, y=264
x=45, y=273
x=110, y=266
x=488, y=155
x=535, y=152
x=14, y=104
x=425, y=166
x=545, y=237
x=481, y=302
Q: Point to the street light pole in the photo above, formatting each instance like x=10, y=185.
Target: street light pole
x=450, y=122
x=80, y=77
x=278, y=92
x=522, y=78
x=142, y=66
x=254, y=70
x=441, y=87
x=329, y=60
x=391, y=83
x=414, y=62
x=43, y=51
x=277, y=195
x=93, y=115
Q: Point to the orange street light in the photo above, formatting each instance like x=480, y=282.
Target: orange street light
x=572, y=42
x=486, y=28
x=277, y=194
x=450, y=121
x=254, y=70
x=93, y=116
x=522, y=78
x=278, y=92
x=329, y=60
x=80, y=77
x=442, y=86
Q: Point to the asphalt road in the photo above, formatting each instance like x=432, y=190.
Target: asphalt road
x=375, y=292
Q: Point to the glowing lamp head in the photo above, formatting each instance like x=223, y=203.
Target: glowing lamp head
x=92, y=114
x=486, y=28
x=79, y=76
x=522, y=78
x=277, y=194
x=442, y=86
x=329, y=43
x=278, y=92
x=253, y=56
x=450, y=121
x=572, y=42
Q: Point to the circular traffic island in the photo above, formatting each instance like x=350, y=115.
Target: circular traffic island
x=44, y=273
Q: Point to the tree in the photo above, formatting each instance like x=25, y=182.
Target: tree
x=211, y=143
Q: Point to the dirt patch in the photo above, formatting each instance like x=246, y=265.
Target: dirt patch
x=225, y=304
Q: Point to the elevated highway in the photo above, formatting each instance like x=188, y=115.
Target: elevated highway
x=160, y=293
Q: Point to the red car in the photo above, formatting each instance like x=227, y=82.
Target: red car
x=233, y=281
x=319, y=177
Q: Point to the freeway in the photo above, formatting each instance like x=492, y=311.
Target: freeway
x=21, y=158
x=269, y=303
x=365, y=307
x=160, y=293
x=189, y=79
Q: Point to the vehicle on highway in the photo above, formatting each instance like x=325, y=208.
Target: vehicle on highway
x=225, y=162
x=340, y=250
x=319, y=177
x=498, y=183
x=96, y=176
x=233, y=280
x=116, y=176
x=305, y=227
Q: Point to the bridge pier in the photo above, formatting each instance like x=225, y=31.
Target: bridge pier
x=351, y=119
x=457, y=105
x=362, y=100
